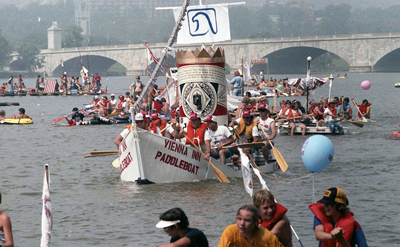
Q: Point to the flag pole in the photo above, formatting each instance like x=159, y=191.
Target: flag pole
x=308, y=76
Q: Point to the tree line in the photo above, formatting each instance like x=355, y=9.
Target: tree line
x=25, y=30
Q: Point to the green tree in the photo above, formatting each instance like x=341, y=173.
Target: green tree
x=337, y=20
x=29, y=56
x=5, y=50
x=72, y=37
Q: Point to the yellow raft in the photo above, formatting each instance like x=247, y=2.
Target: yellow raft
x=17, y=121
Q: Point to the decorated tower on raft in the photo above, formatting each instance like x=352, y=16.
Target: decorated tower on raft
x=202, y=84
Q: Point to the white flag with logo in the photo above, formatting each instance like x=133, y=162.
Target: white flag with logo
x=204, y=24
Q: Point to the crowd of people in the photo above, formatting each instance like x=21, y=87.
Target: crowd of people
x=265, y=223
x=12, y=87
x=66, y=85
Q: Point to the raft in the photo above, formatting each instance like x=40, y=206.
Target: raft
x=17, y=121
x=397, y=84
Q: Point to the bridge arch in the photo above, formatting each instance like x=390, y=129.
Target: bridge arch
x=293, y=60
x=389, y=62
x=94, y=63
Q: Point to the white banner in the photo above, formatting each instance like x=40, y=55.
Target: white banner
x=204, y=24
x=246, y=171
x=47, y=219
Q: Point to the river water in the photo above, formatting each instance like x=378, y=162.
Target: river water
x=92, y=207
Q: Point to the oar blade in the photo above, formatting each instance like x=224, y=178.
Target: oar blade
x=280, y=160
x=58, y=120
x=115, y=163
x=220, y=175
x=358, y=124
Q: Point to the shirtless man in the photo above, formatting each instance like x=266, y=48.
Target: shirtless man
x=21, y=114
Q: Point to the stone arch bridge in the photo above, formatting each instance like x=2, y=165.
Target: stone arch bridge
x=363, y=53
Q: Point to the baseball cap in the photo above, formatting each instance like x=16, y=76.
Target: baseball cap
x=139, y=117
x=137, y=77
x=112, y=95
x=211, y=118
x=193, y=116
x=263, y=106
x=121, y=97
x=246, y=113
x=154, y=116
x=165, y=223
x=96, y=97
x=334, y=195
x=75, y=109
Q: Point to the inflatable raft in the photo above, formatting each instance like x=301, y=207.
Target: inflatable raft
x=397, y=84
x=17, y=121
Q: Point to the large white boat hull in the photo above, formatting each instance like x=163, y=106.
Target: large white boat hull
x=150, y=158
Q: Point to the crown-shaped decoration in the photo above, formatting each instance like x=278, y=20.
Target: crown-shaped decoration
x=200, y=56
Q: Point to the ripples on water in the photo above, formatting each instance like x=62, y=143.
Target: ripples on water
x=92, y=207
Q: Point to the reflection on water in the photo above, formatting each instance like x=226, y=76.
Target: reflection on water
x=92, y=207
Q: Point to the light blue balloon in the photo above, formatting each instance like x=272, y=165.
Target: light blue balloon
x=317, y=153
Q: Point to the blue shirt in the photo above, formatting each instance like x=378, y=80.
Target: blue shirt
x=196, y=237
x=358, y=236
x=237, y=82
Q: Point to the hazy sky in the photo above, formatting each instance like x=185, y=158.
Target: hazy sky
x=321, y=4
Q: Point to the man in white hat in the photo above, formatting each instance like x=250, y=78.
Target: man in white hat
x=268, y=125
x=113, y=101
x=220, y=136
x=139, y=120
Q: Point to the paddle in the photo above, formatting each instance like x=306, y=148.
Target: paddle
x=278, y=156
x=115, y=163
x=244, y=145
x=104, y=152
x=9, y=104
x=114, y=113
x=97, y=155
x=358, y=109
x=58, y=120
x=248, y=155
x=221, y=176
x=358, y=124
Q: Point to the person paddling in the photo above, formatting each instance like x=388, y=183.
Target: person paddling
x=333, y=221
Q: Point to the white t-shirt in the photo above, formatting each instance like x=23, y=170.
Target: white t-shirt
x=114, y=103
x=328, y=115
x=219, y=136
x=267, y=127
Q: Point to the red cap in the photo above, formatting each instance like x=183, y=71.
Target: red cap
x=211, y=118
x=193, y=116
x=121, y=97
x=263, y=106
x=246, y=113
